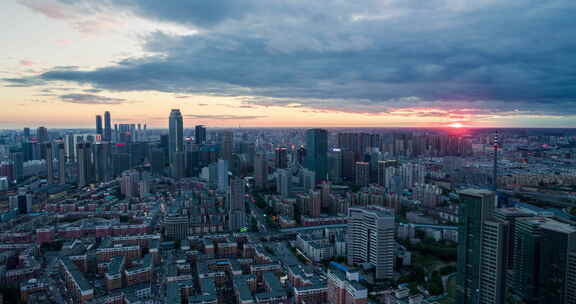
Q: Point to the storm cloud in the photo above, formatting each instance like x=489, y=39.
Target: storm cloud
x=507, y=56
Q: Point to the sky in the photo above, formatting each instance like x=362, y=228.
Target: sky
x=300, y=63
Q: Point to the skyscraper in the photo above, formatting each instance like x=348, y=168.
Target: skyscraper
x=107, y=127
x=370, y=239
x=176, y=137
x=260, y=171
x=50, y=162
x=99, y=130
x=200, y=135
x=84, y=164
x=223, y=178
x=281, y=158
x=317, y=153
x=26, y=134
x=62, y=163
x=543, y=250
x=283, y=182
x=237, y=213
x=226, y=144
x=42, y=134
x=481, y=249
x=17, y=160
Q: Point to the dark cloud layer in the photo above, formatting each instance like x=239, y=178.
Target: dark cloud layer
x=507, y=56
x=91, y=99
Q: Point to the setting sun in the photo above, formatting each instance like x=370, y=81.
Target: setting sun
x=456, y=125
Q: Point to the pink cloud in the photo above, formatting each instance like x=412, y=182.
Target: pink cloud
x=49, y=9
x=26, y=62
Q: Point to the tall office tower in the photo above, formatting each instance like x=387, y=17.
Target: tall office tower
x=260, y=171
x=237, y=212
x=84, y=151
x=283, y=181
x=26, y=134
x=50, y=162
x=107, y=127
x=335, y=165
x=42, y=134
x=116, y=134
x=102, y=161
x=493, y=261
x=227, y=144
x=481, y=249
x=61, y=163
x=99, y=129
x=200, y=135
x=139, y=134
x=510, y=215
x=133, y=133
x=362, y=173
x=543, y=261
x=176, y=135
x=70, y=148
x=17, y=160
x=370, y=239
x=281, y=158
x=223, y=178
x=317, y=153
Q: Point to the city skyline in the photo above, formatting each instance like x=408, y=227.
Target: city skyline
x=80, y=59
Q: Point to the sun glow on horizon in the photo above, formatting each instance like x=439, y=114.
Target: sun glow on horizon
x=456, y=125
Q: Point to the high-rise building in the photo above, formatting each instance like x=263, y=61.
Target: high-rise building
x=223, y=178
x=17, y=160
x=260, y=171
x=370, y=239
x=26, y=134
x=50, y=163
x=107, y=127
x=543, y=252
x=236, y=200
x=317, y=153
x=281, y=158
x=176, y=137
x=85, y=167
x=61, y=163
x=362, y=173
x=481, y=249
x=102, y=161
x=200, y=135
x=42, y=134
x=283, y=182
x=227, y=145
x=99, y=129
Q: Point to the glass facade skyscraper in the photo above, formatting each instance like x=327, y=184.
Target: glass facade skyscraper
x=317, y=153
